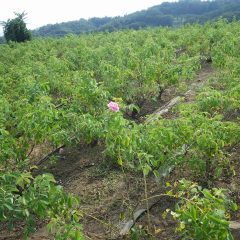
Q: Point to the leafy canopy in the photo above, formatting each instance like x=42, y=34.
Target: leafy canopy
x=15, y=29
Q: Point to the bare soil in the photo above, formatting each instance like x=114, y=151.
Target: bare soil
x=109, y=196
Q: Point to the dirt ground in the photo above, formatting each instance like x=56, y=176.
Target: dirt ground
x=109, y=196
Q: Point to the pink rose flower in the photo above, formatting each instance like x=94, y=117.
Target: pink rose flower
x=113, y=106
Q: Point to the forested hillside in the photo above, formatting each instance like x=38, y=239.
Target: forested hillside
x=166, y=14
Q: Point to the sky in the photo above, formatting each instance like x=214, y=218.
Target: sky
x=42, y=12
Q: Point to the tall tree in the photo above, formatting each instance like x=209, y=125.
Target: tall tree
x=15, y=29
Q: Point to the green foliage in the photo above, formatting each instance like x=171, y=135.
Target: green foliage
x=202, y=213
x=198, y=140
x=15, y=29
x=25, y=198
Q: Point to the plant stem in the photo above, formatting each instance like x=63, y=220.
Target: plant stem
x=146, y=198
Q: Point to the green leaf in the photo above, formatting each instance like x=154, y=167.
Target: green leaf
x=77, y=236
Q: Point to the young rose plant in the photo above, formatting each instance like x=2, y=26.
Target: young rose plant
x=119, y=135
x=201, y=213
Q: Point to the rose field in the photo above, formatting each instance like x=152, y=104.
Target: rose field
x=122, y=135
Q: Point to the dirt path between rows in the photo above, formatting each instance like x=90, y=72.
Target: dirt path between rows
x=172, y=93
x=108, y=195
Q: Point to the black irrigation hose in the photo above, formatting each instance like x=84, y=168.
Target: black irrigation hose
x=137, y=215
x=50, y=155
